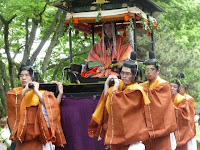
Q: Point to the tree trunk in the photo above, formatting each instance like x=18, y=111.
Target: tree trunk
x=1, y=25
x=45, y=38
x=10, y=61
x=29, y=39
x=52, y=44
x=4, y=76
x=3, y=98
x=4, y=86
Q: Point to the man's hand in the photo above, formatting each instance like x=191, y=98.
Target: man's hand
x=35, y=89
x=110, y=77
x=59, y=85
x=36, y=86
x=116, y=83
x=26, y=89
x=60, y=90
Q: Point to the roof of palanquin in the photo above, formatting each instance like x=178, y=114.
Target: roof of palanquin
x=84, y=13
x=85, y=5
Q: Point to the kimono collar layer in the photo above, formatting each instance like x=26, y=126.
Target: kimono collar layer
x=154, y=84
x=178, y=99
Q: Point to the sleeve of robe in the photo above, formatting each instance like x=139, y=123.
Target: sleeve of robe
x=124, y=47
x=94, y=54
x=13, y=110
x=192, y=114
x=184, y=115
x=126, y=123
x=161, y=120
x=98, y=124
x=53, y=111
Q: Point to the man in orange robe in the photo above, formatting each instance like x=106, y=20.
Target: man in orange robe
x=192, y=144
x=162, y=119
x=185, y=118
x=183, y=88
x=110, y=48
x=33, y=115
x=119, y=115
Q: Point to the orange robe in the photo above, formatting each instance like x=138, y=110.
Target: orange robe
x=97, y=53
x=27, y=123
x=120, y=117
x=185, y=119
x=162, y=121
x=192, y=101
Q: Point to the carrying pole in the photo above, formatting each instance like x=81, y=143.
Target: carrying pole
x=134, y=34
x=93, y=34
x=70, y=46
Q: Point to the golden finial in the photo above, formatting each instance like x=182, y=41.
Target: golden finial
x=64, y=4
x=100, y=2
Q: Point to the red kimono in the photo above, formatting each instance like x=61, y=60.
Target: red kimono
x=99, y=56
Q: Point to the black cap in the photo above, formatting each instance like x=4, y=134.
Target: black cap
x=133, y=55
x=151, y=60
x=180, y=75
x=130, y=62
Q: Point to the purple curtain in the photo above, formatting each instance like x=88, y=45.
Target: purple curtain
x=76, y=114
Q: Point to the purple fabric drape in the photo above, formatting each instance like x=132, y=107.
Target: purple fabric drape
x=76, y=114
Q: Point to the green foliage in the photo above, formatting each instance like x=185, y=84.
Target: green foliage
x=98, y=17
x=182, y=18
x=22, y=8
x=177, y=42
x=175, y=58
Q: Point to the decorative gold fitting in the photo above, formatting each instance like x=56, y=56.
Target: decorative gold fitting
x=100, y=2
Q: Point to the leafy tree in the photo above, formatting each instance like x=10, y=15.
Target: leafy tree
x=177, y=42
x=22, y=24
